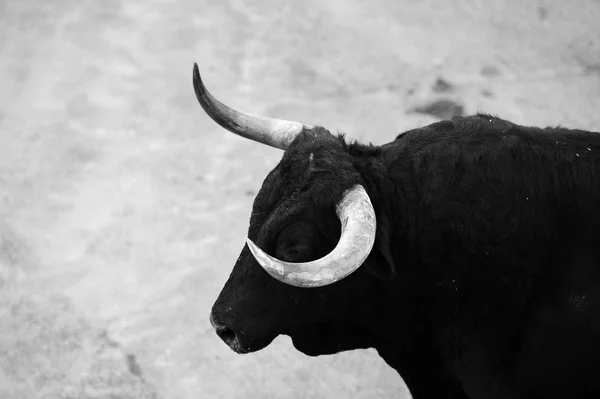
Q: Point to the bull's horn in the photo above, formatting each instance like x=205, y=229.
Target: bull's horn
x=277, y=133
x=357, y=216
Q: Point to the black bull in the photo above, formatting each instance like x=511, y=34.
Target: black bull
x=484, y=277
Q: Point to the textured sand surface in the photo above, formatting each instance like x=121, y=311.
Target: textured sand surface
x=123, y=207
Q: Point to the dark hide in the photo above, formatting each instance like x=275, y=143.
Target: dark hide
x=484, y=281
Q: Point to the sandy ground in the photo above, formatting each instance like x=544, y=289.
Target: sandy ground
x=123, y=207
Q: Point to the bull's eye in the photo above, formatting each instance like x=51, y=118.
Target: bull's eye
x=296, y=255
x=292, y=249
x=292, y=253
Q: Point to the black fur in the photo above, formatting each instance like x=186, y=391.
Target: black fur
x=484, y=281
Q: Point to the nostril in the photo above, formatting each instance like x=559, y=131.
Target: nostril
x=225, y=333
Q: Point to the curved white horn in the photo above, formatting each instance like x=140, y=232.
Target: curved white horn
x=357, y=216
x=276, y=133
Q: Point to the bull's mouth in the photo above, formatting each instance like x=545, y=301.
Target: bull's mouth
x=242, y=343
x=328, y=337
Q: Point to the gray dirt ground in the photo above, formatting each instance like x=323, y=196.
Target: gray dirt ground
x=124, y=207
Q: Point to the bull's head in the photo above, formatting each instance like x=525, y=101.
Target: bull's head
x=312, y=227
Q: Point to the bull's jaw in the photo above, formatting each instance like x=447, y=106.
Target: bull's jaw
x=327, y=338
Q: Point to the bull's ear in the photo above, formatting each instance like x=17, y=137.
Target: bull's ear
x=382, y=264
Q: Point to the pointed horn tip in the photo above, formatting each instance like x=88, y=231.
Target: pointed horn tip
x=196, y=71
x=262, y=257
x=256, y=251
x=197, y=82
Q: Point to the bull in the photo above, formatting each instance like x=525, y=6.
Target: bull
x=466, y=252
